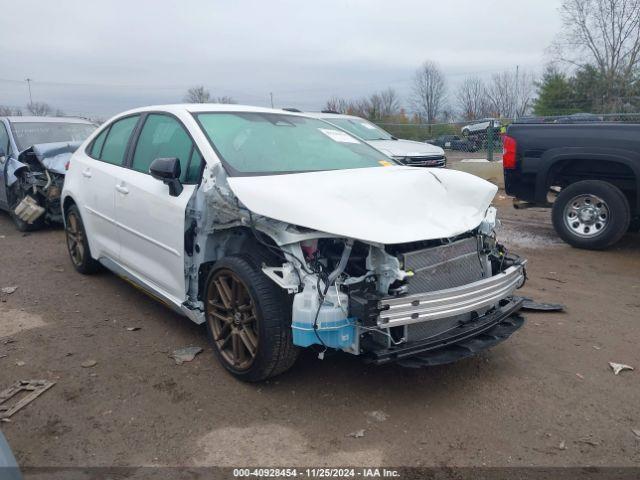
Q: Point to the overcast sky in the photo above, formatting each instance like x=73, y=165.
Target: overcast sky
x=99, y=58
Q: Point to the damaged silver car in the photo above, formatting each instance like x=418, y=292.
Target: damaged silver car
x=282, y=232
x=33, y=155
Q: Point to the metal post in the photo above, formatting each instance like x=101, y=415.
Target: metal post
x=490, y=141
x=29, y=85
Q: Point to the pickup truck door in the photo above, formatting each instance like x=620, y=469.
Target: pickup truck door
x=151, y=222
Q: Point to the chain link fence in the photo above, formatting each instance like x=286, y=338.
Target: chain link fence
x=483, y=138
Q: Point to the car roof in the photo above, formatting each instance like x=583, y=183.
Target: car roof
x=207, y=107
x=324, y=115
x=32, y=119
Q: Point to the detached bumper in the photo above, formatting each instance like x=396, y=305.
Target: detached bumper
x=463, y=341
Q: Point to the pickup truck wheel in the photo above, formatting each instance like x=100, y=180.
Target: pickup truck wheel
x=591, y=214
x=248, y=320
x=77, y=243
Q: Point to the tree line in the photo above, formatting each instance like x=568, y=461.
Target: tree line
x=595, y=68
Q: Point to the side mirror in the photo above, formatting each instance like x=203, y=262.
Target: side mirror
x=168, y=171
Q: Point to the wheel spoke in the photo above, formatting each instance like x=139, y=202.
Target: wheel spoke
x=223, y=290
x=225, y=319
x=217, y=306
x=80, y=250
x=224, y=333
x=249, y=340
x=73, y=223
x=245, y=308
x=236, y=347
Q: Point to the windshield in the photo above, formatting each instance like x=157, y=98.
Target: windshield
x=28, y=134
x=361, y=128
x=261, y=143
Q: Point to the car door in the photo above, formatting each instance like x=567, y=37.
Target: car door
x=99, y=168
x=5, y=146
x=152, y=222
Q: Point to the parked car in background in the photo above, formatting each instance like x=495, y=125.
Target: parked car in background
x=454, y=142
x=594, y=166
x=281, y=231
x=33, y=154
x=481, y=126
x=407, y=152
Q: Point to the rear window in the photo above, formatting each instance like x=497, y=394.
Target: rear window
x=27, y=134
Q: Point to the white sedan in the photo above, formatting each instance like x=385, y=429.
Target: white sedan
x=282, y=231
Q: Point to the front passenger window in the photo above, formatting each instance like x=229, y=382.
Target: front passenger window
x=163, y=136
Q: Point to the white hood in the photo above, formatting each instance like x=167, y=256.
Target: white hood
x=406, y=148
x=382, y=204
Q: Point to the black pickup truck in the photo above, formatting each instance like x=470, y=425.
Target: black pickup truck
x=595, y=167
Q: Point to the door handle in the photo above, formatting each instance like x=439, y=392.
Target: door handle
x=122, y=189
x=86, y=173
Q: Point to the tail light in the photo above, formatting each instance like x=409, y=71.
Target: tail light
x=509, y=145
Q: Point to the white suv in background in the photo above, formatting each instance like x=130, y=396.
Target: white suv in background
x=282, y=231
x=407, y=152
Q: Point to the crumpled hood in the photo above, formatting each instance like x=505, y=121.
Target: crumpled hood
x=384, y=205
x=52, y=156
x=406, y=148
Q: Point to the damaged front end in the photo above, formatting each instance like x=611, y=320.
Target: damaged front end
x=427, y=302
x=36, y=181
x=382, y=295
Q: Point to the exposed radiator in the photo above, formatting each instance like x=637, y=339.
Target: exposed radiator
x=446, y=266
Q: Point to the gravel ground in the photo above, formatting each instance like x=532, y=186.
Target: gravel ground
x=545, y=397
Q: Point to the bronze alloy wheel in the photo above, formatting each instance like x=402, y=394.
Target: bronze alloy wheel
x=75, y=238
x=231, y=314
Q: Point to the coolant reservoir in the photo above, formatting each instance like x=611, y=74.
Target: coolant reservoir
x=335, y=329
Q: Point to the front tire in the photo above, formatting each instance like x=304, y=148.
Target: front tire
x=248, y=320
x=77, y=242
x=591, y=214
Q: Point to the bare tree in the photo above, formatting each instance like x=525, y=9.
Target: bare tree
x=471, y=98
x=39, y=109
x=337, y=104
x=510, y=94
x=603, y=33
x=6, y=111
x=224, y=99
x=389, y=103
x=197, y=94
x=429, y=89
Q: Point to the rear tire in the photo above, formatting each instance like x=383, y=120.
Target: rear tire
x=77, y=242
x=248, y=320
x=591, y=214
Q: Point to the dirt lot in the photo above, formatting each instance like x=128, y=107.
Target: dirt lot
x=545, y=397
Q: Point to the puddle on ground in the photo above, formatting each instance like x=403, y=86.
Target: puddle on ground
x=13, y=322
x=275, y=445
x=520, y=236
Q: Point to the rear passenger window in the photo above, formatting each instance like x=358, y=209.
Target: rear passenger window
x=96, y=148
x=115, y=146
x=163, y=136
